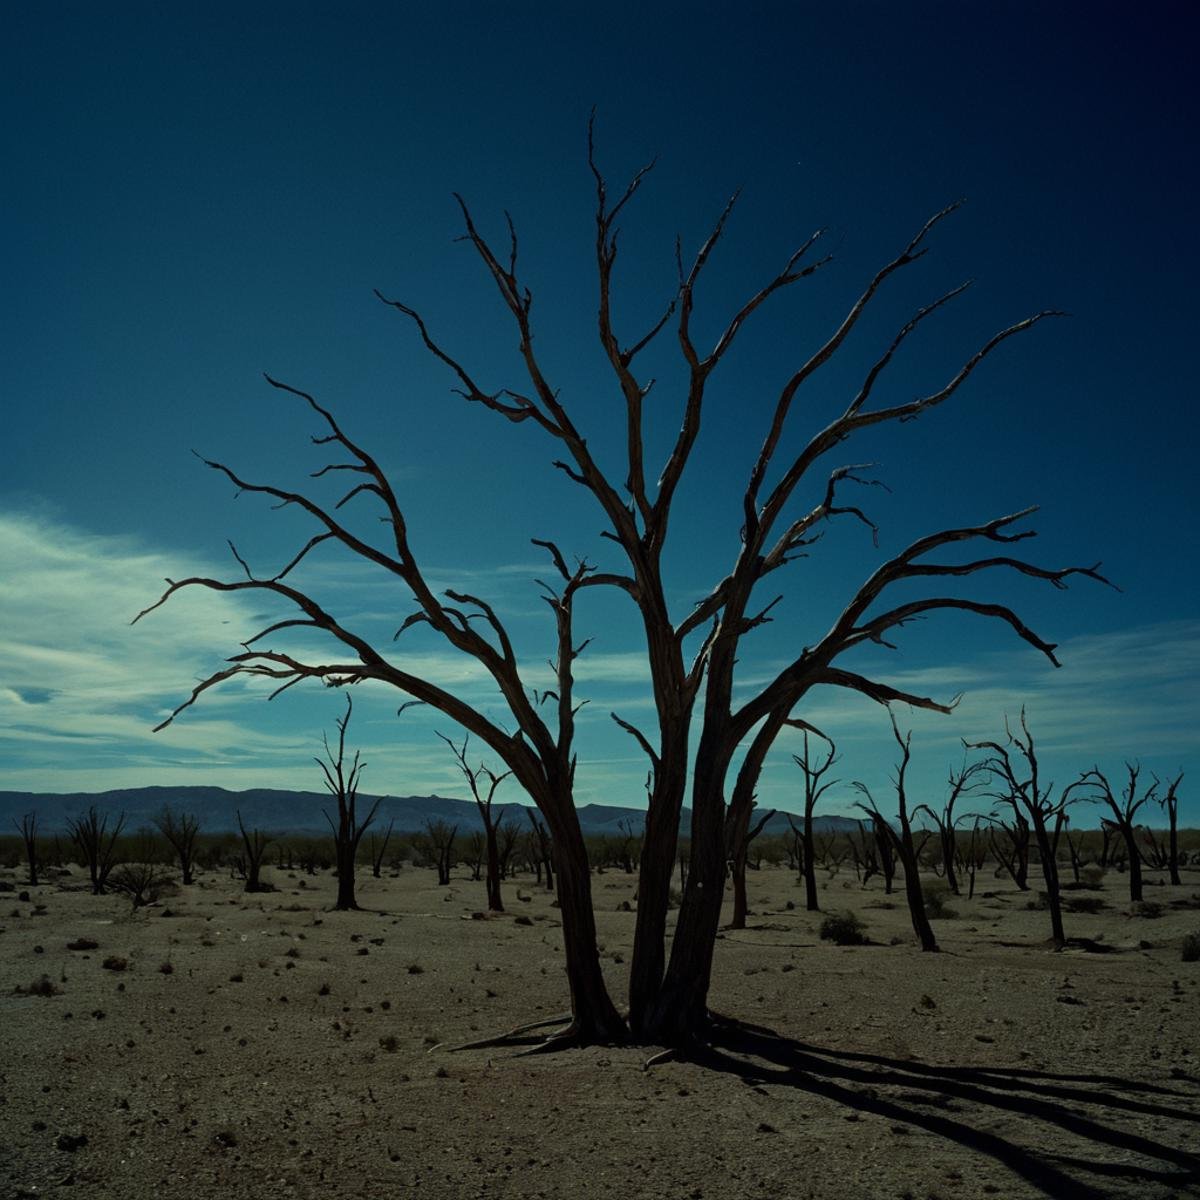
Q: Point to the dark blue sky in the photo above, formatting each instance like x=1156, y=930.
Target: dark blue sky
x=196, y=193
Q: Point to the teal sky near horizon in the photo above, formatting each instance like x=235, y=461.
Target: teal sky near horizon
x=198, y=193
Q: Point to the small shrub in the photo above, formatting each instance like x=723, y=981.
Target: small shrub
x=1092, y=875
x=416, y=969
x=44, y=986
x=390, y=1043
x=936, y=908
x=114, y=962
x=1189, y=950
x=843, y=929
x=1151, y=910
x=1084, y=904
x=167, y=968
x=83, y=944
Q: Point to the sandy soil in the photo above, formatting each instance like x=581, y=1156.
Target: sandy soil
x=264, y=1046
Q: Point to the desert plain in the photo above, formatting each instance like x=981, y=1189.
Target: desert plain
x=223, y=1044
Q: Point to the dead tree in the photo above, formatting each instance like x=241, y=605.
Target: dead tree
x=439, y=837
x=1170, y=805
x=815, y=786
x=377, y=848
x=739, y=835
x=863, y=852
x=901, y=840
x=475, y=855
x=1014, y=767
x=1124, y=815
x=475, y=776
x=1077, y=854
x=28, y=831
x=97, y=843
x=1013, y=853
x=341, y=781
x=508, y=834
x=254, y=846
x=181, y=831
x=545, y=850
x=961, y=782
x=668, y=998
x=975, y=857
x=142, y=878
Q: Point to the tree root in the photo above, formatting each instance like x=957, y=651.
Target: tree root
x=503, y=1039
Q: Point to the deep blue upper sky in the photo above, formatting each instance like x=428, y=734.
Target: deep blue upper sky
x=197, y=193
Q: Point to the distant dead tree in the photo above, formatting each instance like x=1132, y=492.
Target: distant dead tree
x=630, y=845
x=475, y=855
x=815, y=786
x=181, y=831
x=1077, y=853
x=975, y=856
x=901, y=840
x=28, y=831
x=476, y=778
x=544, y=861
x=508, y=835
x=438, y=840
x=1170, y=805
x=1014, y=767
x=1009, y=841
x=862, y=852
x=144, y=876
x=254, y=845
x=1124, y=814
x=377, y=848
x=962, y=782
x=341, y=781
x=740, y=833
x=97, y=843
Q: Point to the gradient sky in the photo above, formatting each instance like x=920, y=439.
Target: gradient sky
x=197, y=193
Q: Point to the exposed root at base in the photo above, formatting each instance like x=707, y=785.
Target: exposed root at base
x=503, y=1039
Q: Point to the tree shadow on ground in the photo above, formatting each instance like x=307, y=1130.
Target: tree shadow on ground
x=1069, y=1133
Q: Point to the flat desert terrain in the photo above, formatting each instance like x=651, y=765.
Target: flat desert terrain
x=265, y=1046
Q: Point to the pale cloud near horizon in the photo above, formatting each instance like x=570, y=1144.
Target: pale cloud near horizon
x=81, y=689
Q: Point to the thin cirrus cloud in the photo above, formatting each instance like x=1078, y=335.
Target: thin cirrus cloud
x=81, y=689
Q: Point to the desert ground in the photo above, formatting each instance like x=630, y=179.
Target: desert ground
x=263, y=1045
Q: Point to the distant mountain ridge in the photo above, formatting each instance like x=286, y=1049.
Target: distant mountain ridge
x=301, y=812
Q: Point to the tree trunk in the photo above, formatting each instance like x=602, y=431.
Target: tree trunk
x=1173, y=835
x=681, y=1008
x=1135, y=865
x=594, y=1016
x=494, y=902
x=344, y=855
x=1050, y=875
x=738, y=872
x=916, y=903
x=811, y=902
x=949, y=851
x=660, y=842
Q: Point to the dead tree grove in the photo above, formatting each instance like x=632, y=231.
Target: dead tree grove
x=791, y=495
